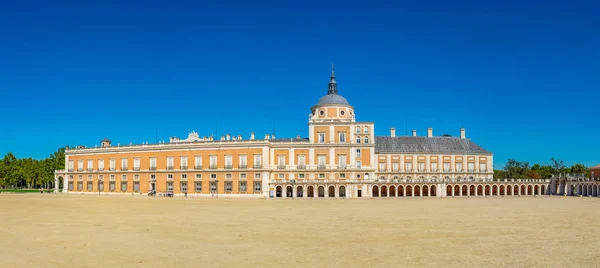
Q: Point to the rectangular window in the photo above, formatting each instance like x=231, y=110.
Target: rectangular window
x=281, y=161
x=152, y=163
x=409, y=167
x=101, y=165
x=243, y=176
x=366, y=129
x=123, y=186
x=170, y=163
x=357, y=130
x=243, y=161
x=471, y=167
x=198, y=176
x=100, y=186
x=184, y=186
x=321, y=175
x=80, y=186
x=198, y=185
x=395, y=166
x=446, y=167
x=342, y=161
x=421, y=167
x=228, y=176
x=90, y=186
x=70, y=186
x=113, y=164
x=100, y=177
x=342, y=175
x=136, y=164
x=183, y=165
x=321, y=137
x=136, y=177
x=80, y=165
x=228, y=161
x=123, y=164
x=321, y=160
x=256, y=175
x=111, y=186
x=257, y=161
x=459, y=167
x=301, y=176
x=90, y=165
x=89, y=177
x=301, y=161
x=80, y=177
x=281, y=176
x=213, y=162
x=358, y=139
x=357, y=152
x=257, y=187
x=213, y=176
x=434, y=167
x=112, y=177
x=198, y=162
x=242, y=186
x=184, y=176
x=382, y=167
x=213, y=186
x=358, y=164
x=483, y=167
x=71, y=165
x=342, y=137
x=136, y=186
x=170, y=176
x=170, y=186
x=123, y=177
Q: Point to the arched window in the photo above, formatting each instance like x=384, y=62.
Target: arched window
x=357, y=130
x=366, y=139
x=366, y=176
x=357, y=139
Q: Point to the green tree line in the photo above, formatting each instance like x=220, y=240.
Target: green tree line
x=523, y=170
x=30, y=173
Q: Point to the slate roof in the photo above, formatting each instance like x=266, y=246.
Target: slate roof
x=419, y=144
x=332, y=99
x=595, y=167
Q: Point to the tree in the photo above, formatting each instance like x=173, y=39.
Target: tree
x=557, y=166
x=532, y=174
x=515, y=169
x=499, y=174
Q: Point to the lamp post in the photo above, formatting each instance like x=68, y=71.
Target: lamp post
x=217, y=187
x=293, y=181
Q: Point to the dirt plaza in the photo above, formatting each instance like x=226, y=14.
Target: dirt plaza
x=68, y=230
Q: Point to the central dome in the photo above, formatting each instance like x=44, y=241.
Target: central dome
x=332, y=97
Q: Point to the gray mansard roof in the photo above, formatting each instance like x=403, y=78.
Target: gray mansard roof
x=412, y=144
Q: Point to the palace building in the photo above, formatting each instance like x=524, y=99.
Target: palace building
x=340, y=158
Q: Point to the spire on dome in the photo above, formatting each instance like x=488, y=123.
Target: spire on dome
x=332, y=84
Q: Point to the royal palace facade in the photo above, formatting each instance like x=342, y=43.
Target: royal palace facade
x=340, y=158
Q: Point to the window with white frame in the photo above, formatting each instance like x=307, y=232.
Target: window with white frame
x=89, y=177
x=198, y=185
x=152, y=163
x=342, y=160
x=358, y=139
x=79, y=186
x=123, y=186
x=471, y=167
x=123, y=163
x=321, y=136
x=198, y=162
x=213, y=161
x=136, y=186
x=242, y=186
x=228, y=176
x=136, y=164
x=242, y=176
x=170, y=163
x=281, y=160
x=183, y=186
x=70, y=186
x=90, y=164
x=459, y=167
x=80, y=165
x=321, y=175
x=483, y=167
x=198, y=176
x=170, y=186
x=366, y=130
x=421, y=166
x=213, y=186
x=342, y=137
x=434, y=166
x=366, y=139
x=136, y=177
x=446, y=167
x=358, y=164
x=123, y=177
x=90, y=186
x=100, y=177
x=301, y=176
x=170, y=176
x=111, y=186
x=257, y=176
x=101, y=164
x=112, y=177
x=395, y=166
x=113, y=164
x=243, y=161
x=281, y=176
x=257, y=186
x=342, y=175
x=228, y=186
x=357, y=130
x=184, y=176
x=183, y=163
x=228, y=161
x=71, y=165
x=321, y=160
x=257, y=160
x=80, y=177
x=357, y=152
x=382, y=167
x=301, y=160
x=213, y=176
x=409, y=166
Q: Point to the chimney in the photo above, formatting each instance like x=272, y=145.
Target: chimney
x=430, y=132
x=414, y=133
x=462, y=133
x=273, y=136
x=298, y=137
x=222, y=138
x=393, y=132
x=228, y=137
x=267, y=136
x=239, y=137
x=252, y=135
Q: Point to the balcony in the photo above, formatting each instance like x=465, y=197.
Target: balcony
x=183, y=167
x=152, y=168
x=71, y=170
x=301, y=166
x=213, y=167
x=259, y=166
x=228, y=166
x=358, y=166
x=136, y=168
x=280, y=166
x=90, y=169
x=197, y=167
x=242, y=166
x=124, y=169
x=113, y=169
x=80, y=169
x=169, y=167
x=321, y=167
x=471, y=170
x=342, y=166
x=101, y=169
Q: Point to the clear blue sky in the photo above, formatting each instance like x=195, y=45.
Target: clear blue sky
x=522, y=77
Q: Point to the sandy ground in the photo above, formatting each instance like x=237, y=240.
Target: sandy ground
x=120, y=231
